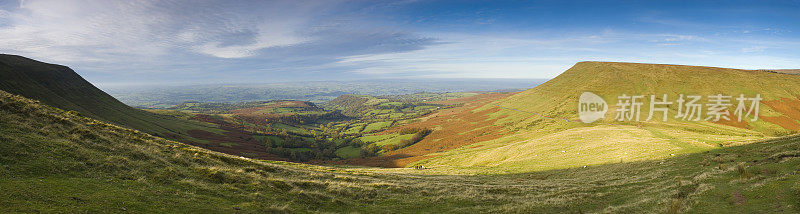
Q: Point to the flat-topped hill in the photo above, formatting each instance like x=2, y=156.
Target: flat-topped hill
x=544, y=130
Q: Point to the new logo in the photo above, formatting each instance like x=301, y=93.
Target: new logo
x=591, y=107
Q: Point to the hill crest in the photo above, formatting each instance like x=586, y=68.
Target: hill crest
x=544, y=130
x=61, y=87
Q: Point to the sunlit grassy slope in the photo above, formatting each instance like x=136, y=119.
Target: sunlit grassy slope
x=539, y=143
x=61, y=87
x=559, y=96
x=54, y=161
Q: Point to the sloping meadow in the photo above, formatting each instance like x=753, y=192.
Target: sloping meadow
x=545, y=131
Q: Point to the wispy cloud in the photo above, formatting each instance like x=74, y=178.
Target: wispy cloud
x=262, y=41
x=77, y=30
x=537, y=55
x=128, y=35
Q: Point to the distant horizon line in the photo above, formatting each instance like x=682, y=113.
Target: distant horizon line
x=410, y=79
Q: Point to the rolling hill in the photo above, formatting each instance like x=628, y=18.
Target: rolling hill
x=56, y=161
x=541, y=128
x=558, y=97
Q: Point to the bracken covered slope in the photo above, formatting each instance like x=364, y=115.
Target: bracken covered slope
x=543, y=131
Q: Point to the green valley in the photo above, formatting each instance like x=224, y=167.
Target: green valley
x=420, y=106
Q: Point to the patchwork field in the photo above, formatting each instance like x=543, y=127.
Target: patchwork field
x=351, y=126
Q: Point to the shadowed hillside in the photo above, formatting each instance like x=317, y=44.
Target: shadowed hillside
x=61, y=87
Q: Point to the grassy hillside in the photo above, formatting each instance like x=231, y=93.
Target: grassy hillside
x=61, y=87
x=56, y=161
x=543, y=132
x=558, y=97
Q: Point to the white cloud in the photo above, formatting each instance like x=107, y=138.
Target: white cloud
x=201, y=39
x=80, y=30
x=237, y=39
x=87, y=30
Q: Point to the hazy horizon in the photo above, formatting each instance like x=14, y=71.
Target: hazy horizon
x=144, y=86
x=162, y=96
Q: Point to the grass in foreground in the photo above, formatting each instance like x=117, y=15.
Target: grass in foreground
x=54, y=161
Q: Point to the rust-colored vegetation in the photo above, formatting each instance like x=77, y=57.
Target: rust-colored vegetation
x=453, y=128
x=790, y=108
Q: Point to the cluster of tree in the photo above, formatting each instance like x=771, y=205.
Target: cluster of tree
x=370, y=150
x=399, y=107
x=300, y=119
x=304, y=149
x=349, y=105
x=292, y=119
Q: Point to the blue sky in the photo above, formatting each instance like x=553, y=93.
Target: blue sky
x=197, y=41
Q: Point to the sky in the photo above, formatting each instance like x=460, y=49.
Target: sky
x=132, y=42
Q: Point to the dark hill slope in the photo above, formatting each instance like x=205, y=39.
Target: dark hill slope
x=59, y=86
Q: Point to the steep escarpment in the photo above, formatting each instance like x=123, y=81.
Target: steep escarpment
x=61, y=87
